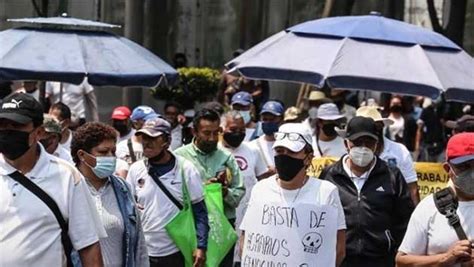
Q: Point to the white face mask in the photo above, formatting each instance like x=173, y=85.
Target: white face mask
x=313, y=112
x=245, y=116
x=361, y=155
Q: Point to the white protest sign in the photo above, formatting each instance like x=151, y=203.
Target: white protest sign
x=278, y=235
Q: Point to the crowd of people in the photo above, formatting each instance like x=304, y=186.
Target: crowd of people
x=81, y=193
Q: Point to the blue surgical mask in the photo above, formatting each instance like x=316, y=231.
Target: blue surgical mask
x=245, y=115
x=269, y=128
x=104, y=167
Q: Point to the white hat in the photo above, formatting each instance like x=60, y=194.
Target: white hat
x=300, y=143
x=329, y=112
x=372, y=112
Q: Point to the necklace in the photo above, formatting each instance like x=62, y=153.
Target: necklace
x=297, y=192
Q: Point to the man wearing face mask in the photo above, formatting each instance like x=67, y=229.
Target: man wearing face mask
x=430, y=239
x=121, y=123
x=271, y=118
x=251, y=165
x=35, y=240
x=376, y=200
x=163, y=166
x=315, y=99
x=51, y=137
x=215, y=164
x=327, y=143
x=62, y=113
x=291, y=187
x=242, y=102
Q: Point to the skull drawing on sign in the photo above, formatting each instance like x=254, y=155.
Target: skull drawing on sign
x=312, y=242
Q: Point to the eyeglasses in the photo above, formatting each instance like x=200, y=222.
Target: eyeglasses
x=290, y=136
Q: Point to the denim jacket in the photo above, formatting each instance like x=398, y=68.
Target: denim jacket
x=134, y=248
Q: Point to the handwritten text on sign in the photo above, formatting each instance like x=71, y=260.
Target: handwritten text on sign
x=279, y=236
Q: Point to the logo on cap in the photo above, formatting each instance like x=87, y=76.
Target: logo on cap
x=13, y=104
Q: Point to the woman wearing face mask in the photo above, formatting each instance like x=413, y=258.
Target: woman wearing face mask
x=93, y=151
x=376, y=199
x=292, y=188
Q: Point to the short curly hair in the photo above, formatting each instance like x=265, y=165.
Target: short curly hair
x=90, y=135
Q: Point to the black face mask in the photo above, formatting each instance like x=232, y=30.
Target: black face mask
x=121, y=128
x=288, y=167
x=234, y=139
x=329, y=130
x=13, y=143
x=396, y=109
x=207, y=146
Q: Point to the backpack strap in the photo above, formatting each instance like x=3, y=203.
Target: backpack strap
x=53, y=206
x=130, y=150
x=447, y=204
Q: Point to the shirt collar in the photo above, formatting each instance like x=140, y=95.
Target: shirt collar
x=352, y=175
x=39, y=170
x=199, y=151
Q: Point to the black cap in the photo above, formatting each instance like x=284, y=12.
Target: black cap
x=358, y=127
x=21, y=108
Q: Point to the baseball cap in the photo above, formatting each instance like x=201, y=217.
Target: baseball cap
x=121, y=113
x=21, y=108
x=373, y=112
x=141, y=113
x=242, y=98
x=273, y=107
x=282, y=139
x=155, y=127
x=292, y=113
x=329, y=112
x=466, y=121
x=460, y=148
x=51, y=124
x=358, y=127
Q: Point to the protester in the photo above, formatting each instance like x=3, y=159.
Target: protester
x=163, y=170
x=376, y=200
x=50, y=139
x=81, y=99
x=122, y=124
x=339, y=98
x=326, y=143
x=292, y=190
x=215, y=165
x=30, y=88
x=251, y=165
x=242, y=102
x=62, y=113
x=30, y=234
x=431, y=139
x=93, y=150
x=430, y=240
x=172, y=113
x=131, y=150
x=393, y=153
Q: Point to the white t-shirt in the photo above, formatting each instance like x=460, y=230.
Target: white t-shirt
x=397, y=154
x=67, y=145
x=35, y=94
x=158, y=208
x=30, y=234
x=126, y=137
x=176, y=137
x=315, y=191
x=64, y=154
x=428, y=231
x=334, y=148
x=122, y=152
x=396, y=129
x=265, y=149
x=73, y=96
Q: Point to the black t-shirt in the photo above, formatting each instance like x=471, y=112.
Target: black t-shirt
x=433, y=129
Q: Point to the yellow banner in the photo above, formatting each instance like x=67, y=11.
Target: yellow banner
x=431, y=177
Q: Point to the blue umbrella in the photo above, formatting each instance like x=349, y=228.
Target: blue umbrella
x=68, y=50
x=363, y=52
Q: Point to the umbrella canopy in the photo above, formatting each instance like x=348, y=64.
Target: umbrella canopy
x=69, y=50
x=363, y=52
